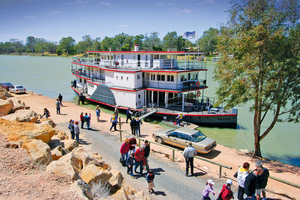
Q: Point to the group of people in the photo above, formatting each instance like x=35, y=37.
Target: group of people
x=135, y=124
x=85, y=119
x=74, y=129
x=137, y=158
x=251, y=184
x=254, y=183
x=225, y=194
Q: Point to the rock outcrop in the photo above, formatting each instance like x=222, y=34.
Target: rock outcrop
x=22, y=116
x=82, y=189
x=64, y=167
x=38, y=151
x=93, y=174
x=6, y=106
x=17, y=131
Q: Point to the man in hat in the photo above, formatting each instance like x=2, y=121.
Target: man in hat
x=189, y=154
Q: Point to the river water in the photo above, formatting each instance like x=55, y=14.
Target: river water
x=51, y=76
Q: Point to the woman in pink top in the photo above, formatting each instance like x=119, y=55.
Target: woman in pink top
x=124, y=150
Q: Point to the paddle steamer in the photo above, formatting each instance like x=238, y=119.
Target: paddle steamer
x=162, y=83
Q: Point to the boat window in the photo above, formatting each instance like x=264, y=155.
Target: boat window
x=146, y=57
x=182, y=78
x=121, y=77
x=80, y=80
x=156, y=56
x=84, y=81
x=158, y=77
x=198, y=136
x=162, y=77
x=127, y=78
x=117, y=77
x=153, y=77
x=139, y=96
x=138, y=76
x=170, y=78
x=189, y=76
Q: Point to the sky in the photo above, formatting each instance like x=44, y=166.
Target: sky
x=55, y=19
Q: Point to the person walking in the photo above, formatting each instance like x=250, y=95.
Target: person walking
x=82, y=120
x=262, y=180
x=124, y=150
x=46, y=113
x=179, y=118
x=138, y=126
x=241, y=176
x=139, y=157
x=189, y=154
x=133, y=126
x=98, y=113
x=113, y=121
x=57, y=107
x=208, y=189
x=130, y=163
x=226, y=192
x=87, y=121
x=76, y=131
x=60, y=97
x=128, y=115
x=150, y=179
x=71, y=128
x=147, y=153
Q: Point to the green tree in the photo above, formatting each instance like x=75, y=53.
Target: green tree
x=208, y=40
x=97, y=44
x=138, y=39
x=107, y=43
x=170, y=41
x=67, y=45
x=30, y=43
x=263, y=37
x=152, y=42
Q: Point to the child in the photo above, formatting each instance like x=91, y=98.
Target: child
x=130, y=163
x=208, y=188
x=150, y=179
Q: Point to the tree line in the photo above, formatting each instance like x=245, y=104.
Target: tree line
x=121, y=42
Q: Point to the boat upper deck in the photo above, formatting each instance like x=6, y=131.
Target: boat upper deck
x=132, y=61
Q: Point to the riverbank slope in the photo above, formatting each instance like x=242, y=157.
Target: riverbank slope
x=223, y=155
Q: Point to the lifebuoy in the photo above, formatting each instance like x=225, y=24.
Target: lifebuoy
x=198, y=83
x=195, y=107
x=198, y=94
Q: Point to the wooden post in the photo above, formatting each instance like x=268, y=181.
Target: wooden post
x=120, y=129
x=220, y=172
x=173, y=155
x=139, y=143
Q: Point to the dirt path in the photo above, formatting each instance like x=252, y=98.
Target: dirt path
x=222, y=154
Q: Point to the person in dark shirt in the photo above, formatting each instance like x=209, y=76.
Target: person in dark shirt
x=150, y=179
x=250, y=184
x=262, y=180
x=130, y=163
x=128, y=115
x=147, y=153
x=133, y=126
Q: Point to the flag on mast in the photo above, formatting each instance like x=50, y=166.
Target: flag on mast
x=188, y=35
